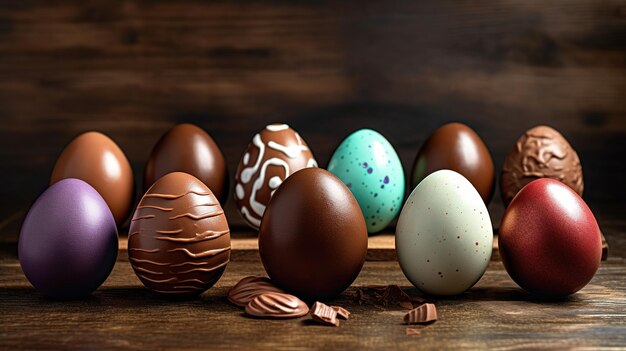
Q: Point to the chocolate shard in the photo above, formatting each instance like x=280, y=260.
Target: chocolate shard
x=341, y=312
x=422, y=314
x=250, y=287
x=415, y=298
x=276, y=305
x=412, y=331
x=324, y=314
x=406, y=304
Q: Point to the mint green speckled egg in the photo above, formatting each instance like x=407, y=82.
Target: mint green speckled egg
x=370, y=167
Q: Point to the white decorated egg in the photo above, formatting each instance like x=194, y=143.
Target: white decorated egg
x=444, y=236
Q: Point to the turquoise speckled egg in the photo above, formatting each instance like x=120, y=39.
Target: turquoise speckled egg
x=370, y=167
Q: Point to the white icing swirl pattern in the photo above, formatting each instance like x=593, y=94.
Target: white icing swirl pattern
x=256, y=174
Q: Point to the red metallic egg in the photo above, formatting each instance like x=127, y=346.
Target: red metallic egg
x=549, y=240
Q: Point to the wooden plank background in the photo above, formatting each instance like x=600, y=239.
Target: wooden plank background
x=132, y=69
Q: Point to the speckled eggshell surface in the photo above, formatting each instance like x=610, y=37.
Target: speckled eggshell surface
x=370, y=167
x=444, y=236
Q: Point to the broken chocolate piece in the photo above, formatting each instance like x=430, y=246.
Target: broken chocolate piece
x=406, y=304
x=422, y=314
x=341, y=312
x=276, y=305
x=250, y=287
x=415, y=298
x=412, y=331
x=324, y=314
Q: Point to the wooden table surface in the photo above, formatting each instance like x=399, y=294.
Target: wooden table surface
x=494, y=314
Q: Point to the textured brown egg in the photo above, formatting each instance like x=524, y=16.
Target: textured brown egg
x=96, y=159
x=179, y=240
x=457, y=147
x=274, y=154
x=188, y=148
x=541, y=152
x=313, y=237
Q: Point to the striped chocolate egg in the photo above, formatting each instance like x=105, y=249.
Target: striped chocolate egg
x=179, y=240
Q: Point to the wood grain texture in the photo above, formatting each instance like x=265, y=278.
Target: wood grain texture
x=493, y=314
x=132, y=69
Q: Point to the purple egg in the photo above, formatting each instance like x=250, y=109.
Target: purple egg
x=68, y=242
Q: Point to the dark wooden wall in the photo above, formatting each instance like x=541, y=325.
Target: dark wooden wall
x=132, y=69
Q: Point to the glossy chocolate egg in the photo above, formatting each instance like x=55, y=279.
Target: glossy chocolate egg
x=444, y=236
x=189, y=149
x=68, y=242
x=370, y=167
x=541, y=152
x=179, y=240
x=96, y=159
x=274, y=154
x=313, y=237
x=457, y=147
x=549, y=240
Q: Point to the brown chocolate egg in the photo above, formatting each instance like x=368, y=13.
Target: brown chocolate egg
x=96, y=159
x=179, y=240
x=541, y=152
x=188, y=148
x=313, y=237
x=273, y=155
x=457, y=147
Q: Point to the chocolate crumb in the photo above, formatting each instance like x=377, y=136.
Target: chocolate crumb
x=341, y=312
x=422, y=314
x=385, y=296
x=406, y=304
x=412, y=331
x=324, y=314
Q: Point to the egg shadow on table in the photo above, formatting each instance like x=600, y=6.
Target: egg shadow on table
x=308, y=322
x=506, y=294
x=33, y=295
x=102, y=297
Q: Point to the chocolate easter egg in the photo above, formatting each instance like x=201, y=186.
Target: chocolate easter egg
x=313, y=237
x=68, y=242
x=541, y=152
x=549, y=240
x=274, y=154
x=96, y=159
x=189, y=149
x=179, y=240
x=457, y=147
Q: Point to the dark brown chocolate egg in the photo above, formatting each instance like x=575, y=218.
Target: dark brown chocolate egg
x=96, y=159
x=457, y=147
x=541, y=152
x=188, y=148
x=313, y=237
x=272, y=156
x=179, y=240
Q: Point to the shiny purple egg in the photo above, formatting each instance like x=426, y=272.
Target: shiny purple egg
x=68, y=242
